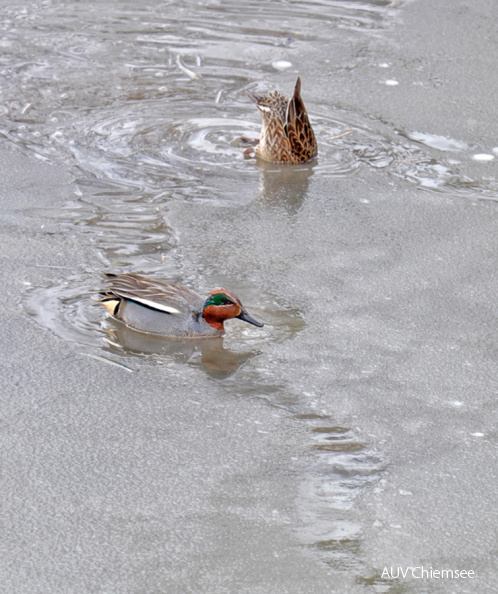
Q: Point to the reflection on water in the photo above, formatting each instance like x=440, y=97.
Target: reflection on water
x=283, y=186
x=209, y=354
x=343, y=467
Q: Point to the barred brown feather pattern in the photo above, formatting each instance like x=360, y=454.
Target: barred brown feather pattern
x=286, y=133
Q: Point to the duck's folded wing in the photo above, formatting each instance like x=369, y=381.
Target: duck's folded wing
x=158, y=295
x=298, y=128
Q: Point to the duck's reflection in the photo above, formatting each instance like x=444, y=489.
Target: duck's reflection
x=207, y=353
x=283, y=185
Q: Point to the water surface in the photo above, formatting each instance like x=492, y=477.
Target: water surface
x=358, y=263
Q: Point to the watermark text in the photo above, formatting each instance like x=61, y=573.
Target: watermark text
x=423, y=573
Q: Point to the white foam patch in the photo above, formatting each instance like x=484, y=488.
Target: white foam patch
x=281, y=65
x=442, y=143
x=483, y=157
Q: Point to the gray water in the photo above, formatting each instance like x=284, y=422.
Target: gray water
x=356, y=431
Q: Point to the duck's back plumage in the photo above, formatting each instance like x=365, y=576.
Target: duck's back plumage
x=286, y=133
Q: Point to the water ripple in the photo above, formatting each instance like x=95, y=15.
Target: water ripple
x=343, y=467
x=173, y=106
x=71, y=311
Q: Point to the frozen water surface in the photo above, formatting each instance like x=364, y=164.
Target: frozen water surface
x=355, y=431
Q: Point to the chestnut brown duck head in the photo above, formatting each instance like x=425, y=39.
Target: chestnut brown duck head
x=157, y=307
x=286, y=133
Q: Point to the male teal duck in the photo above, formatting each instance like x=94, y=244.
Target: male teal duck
x=286, y=133
x=166, y=309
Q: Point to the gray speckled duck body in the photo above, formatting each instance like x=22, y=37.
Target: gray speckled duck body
x=156, y=307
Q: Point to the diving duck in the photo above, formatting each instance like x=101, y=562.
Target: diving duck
x=166, y=309
x=286, y=133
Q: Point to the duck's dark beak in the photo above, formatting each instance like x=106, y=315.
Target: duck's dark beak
x=253, y=98
x=247, y=318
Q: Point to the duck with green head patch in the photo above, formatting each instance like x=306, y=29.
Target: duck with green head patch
x=157, y=307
